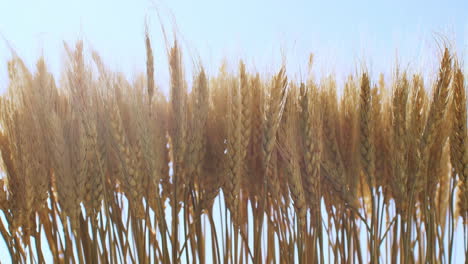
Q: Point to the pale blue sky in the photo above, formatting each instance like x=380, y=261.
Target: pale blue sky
x=341, y=34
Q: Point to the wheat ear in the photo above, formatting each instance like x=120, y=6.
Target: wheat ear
x=366, y=134
x=458, y=141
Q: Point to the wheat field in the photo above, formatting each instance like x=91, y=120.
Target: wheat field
x=238, y=168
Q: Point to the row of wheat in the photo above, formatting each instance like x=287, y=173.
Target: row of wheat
x=98, y=169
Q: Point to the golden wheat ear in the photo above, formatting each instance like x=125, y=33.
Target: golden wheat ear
x=458, y=140
x=435, y=121
x=398, y=132
x=366, y=133
x=149, y=67
x=178, y=116
x=311, y=126
x=246, y=121
x=274, y=107
x=289, y=135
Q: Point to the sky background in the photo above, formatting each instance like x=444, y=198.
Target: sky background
x=343, y=35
